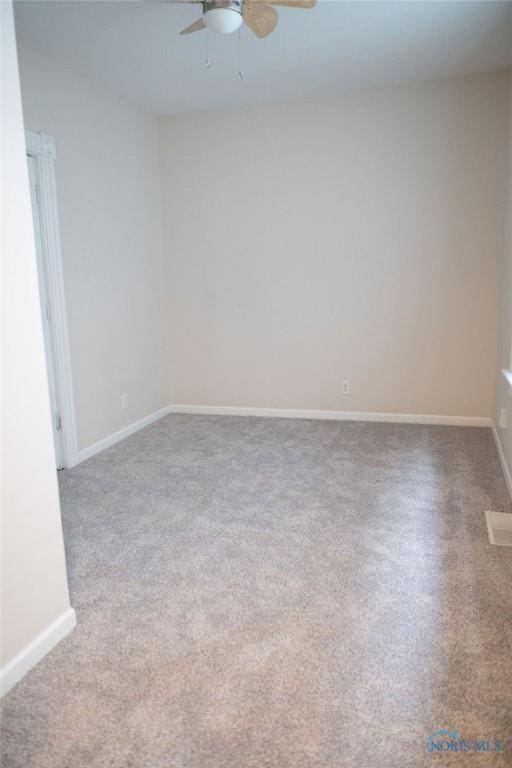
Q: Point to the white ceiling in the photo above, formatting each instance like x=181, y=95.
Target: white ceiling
x=134, y=48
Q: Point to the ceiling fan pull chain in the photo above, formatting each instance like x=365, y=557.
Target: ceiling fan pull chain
x=207, y=62
x=240, y=73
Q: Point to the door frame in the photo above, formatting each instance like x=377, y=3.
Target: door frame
x=42, y=148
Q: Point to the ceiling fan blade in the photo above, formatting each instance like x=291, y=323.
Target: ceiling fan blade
x=293, y=3
x=260, y=18
x=195, y=27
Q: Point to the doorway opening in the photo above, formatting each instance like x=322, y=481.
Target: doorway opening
x=40, y=150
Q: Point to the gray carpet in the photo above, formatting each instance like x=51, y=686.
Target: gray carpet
x=265, y=593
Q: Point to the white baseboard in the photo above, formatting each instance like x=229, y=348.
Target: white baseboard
x=106, y=442
x=296, y=413
x=280, y=413
x=501, y=456
x=32, y=654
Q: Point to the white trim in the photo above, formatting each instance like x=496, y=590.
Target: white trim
x=507, y=374
x=106, y=442
x=501, y=456
x=286, y=413
x=42, y=148
x=490, y=531
x=32, y=654
x=295, y=413
x=500, y=522
x=40, y=144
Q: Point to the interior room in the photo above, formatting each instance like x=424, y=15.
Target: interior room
x=256, y=384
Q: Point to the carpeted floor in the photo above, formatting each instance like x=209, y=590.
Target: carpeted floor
x=266, y=593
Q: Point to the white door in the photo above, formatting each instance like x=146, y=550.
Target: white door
x=46, y=310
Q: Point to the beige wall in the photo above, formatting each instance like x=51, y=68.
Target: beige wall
x=109, y=208
x=352, y=238
x=33, y=577
x=503, y=391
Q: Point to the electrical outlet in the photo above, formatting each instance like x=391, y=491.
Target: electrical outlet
x=503, y=418
x=345, y=387
x=124, y=401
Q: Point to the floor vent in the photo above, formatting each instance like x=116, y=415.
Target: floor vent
x=499, y=527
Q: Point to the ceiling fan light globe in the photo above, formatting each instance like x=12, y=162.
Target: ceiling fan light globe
x=223, y=20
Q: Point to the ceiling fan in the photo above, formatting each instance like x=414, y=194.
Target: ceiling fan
x=226, y=16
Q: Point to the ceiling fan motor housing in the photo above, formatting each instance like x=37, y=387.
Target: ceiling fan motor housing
x=223, y=16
